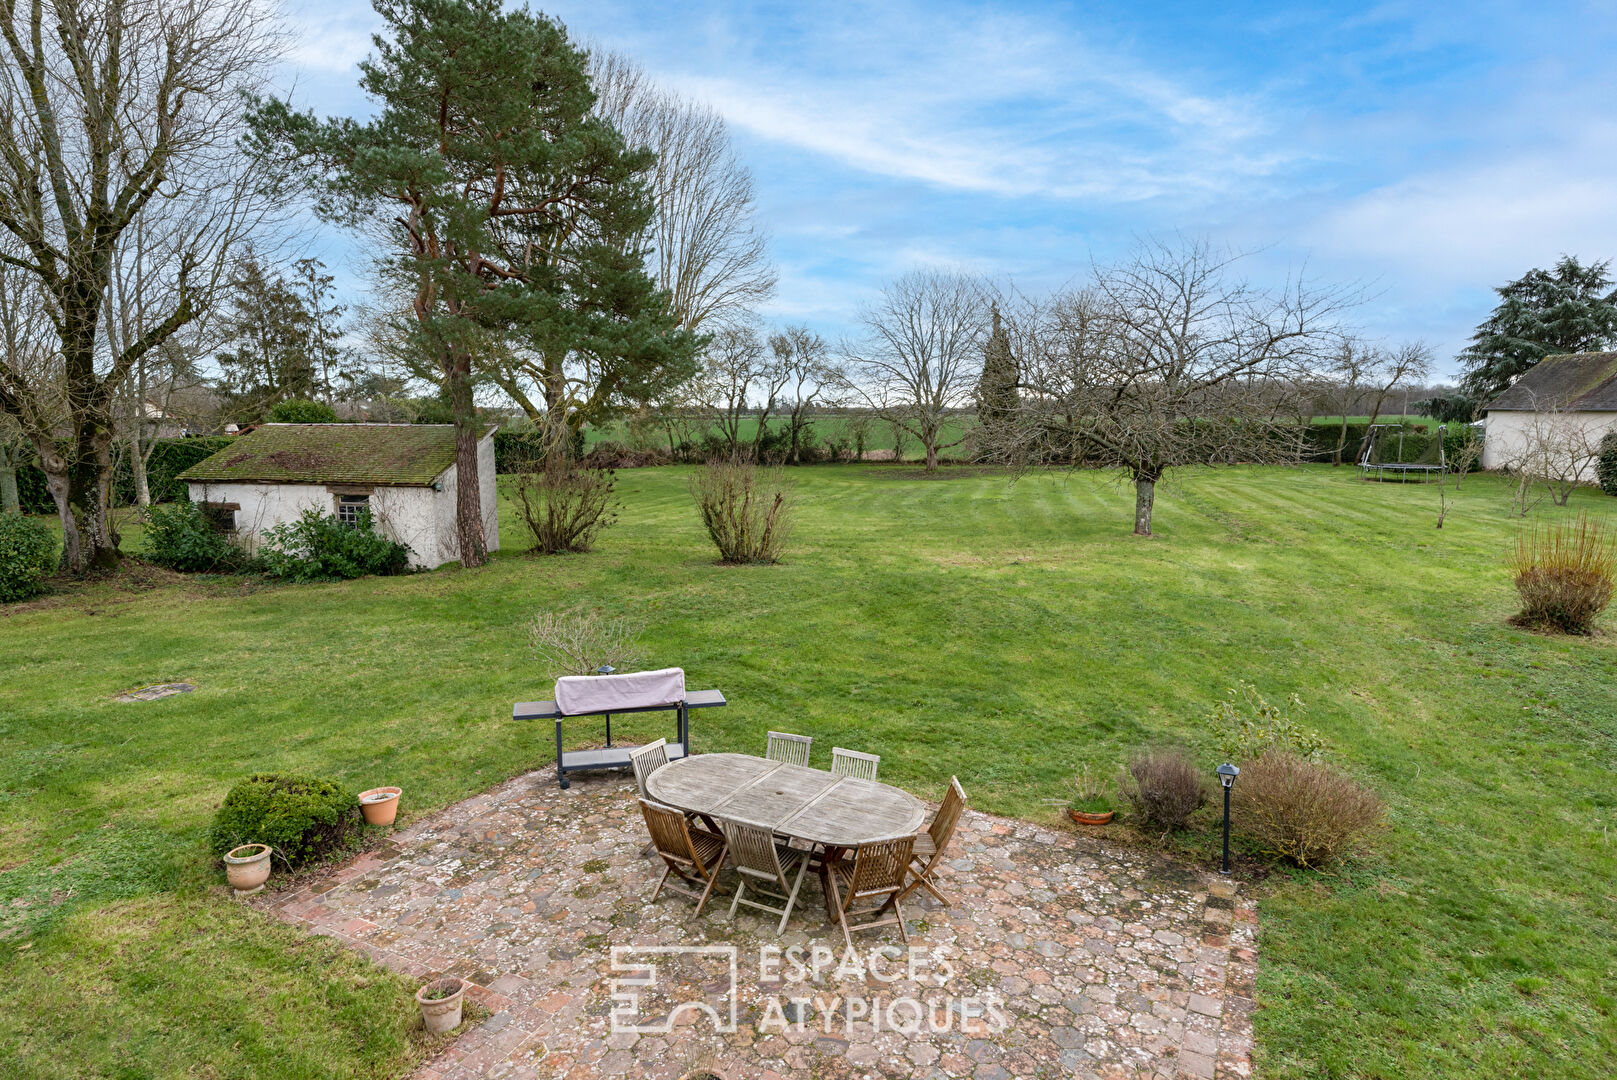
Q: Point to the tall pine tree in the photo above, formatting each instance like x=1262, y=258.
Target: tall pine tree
x=996, y=395
x=1569, y=309
x=507, y=211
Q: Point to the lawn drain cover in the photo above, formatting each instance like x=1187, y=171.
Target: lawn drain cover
x=155, y=691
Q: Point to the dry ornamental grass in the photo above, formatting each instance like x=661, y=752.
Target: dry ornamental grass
x=1564, y=574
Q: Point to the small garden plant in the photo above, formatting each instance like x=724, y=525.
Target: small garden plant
x=1245, y=725
x=1300, y=810
x=1089, y=794
x=746, y=510
x=1164, y=787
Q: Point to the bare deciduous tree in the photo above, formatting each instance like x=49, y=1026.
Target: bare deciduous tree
x=1168, y=360
x=811, y=378
x=112, y=111
x=922, y=353
x=708, y=251
x=1360, y=373
x=732, y=366
x=1554, y=449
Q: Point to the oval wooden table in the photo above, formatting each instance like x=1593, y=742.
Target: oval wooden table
x=790, y=800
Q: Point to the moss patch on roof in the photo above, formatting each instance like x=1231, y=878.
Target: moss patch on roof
x=398, y=454
x=1579, y=382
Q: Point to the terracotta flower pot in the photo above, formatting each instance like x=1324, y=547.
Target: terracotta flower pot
x=1085, y=817
x=380, y=805
x=441, y=1014
x=247, y=868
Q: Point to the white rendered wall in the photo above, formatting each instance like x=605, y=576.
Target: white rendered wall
x=1509, y=433
x=409, y=515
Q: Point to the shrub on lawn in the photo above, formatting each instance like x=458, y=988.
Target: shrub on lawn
x=1246, y=725
x=1606, y=464
x=1164, y=787
x=565, y=509
x=318, y=547
x=580, y=641
x=1301, y=810
x=181, y=536
x=27, y=555
x=1564, y=574
x=746, y=510
x=302, y=817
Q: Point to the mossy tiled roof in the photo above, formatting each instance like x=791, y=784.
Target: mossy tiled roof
x=1575, y=382
x=399, y=454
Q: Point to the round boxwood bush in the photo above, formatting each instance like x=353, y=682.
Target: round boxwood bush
x=302, y=817
x=27, y=554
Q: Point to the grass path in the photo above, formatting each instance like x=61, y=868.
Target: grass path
x=1007, y=634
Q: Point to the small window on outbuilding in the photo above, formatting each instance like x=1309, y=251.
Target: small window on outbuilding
x=350, y=507
x=222, y=516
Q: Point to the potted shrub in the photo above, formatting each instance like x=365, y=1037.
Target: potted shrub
x=247, y=867
x=441, y=1001
x=380, y=805
x=1090, y=804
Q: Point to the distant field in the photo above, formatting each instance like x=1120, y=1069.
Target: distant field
x=1413, y=421
x=825, y=428
x=879, y=435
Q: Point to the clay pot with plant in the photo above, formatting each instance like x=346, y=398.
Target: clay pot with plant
x=441, y=1001
x=1091, y=805
x=248, y=867
x=380, y=805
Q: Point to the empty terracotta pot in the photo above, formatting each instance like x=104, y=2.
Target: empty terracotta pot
x=1086, y=817
x=247, y=868
x=441, y=1014
x=380, y=805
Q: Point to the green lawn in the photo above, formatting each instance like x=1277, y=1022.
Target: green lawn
x=953, y=625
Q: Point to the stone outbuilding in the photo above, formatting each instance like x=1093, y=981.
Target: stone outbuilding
x=404, y=474
x=1563, y=406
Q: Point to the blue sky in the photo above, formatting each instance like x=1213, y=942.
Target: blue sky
x=1426, y=151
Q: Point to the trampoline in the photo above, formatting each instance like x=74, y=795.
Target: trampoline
x=1381, y=461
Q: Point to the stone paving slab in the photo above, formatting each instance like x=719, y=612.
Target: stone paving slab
x=1061, y=956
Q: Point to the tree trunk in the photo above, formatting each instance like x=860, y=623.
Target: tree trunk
x=468, y=493
x=1341, y=441
x=931, y=457
x=9, y=501
x=1145, y=495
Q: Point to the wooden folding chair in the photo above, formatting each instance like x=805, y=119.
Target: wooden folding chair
x=693, y=855
x=853, y=763
x=758, y=858
x=792, y=749
x=647, y=760
x=879, y=869
x=932, y=842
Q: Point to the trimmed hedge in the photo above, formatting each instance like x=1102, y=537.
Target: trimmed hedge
x=1320, y=441
x=302, y=817
x=27, y=555
x=169, y=458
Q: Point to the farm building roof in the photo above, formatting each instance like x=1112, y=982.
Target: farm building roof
x=395, y=454
x=1576, y=382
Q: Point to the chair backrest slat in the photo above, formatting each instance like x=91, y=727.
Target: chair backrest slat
x=853, y=763
x=752, y=847
x=948, y=816
x=792, y=749
x=880, y=866
x=671, y=833
x=647, y=760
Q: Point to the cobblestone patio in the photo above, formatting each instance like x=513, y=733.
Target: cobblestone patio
x=1061, y=956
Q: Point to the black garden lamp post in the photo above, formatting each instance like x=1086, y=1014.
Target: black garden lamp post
x=1226, y=776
